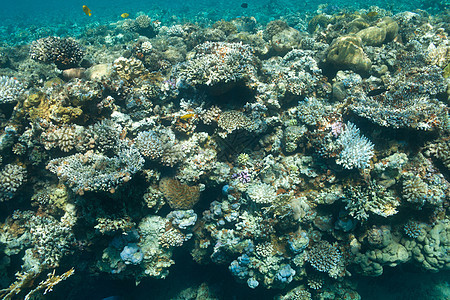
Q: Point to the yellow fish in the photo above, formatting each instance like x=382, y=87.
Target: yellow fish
x=87, y=11
x=125, y=15
x=187, y=117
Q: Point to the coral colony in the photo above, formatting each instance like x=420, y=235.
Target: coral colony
x=298, y=155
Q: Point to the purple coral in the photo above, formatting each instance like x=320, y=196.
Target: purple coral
x=242, y=176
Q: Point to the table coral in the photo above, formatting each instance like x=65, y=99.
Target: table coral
x=96, y=172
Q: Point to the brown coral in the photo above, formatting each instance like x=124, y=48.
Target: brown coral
x=179, y=195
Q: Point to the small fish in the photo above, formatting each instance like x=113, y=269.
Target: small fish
x=244, y=5
x=187, y=116
x=125, y=15
x=372, y=14
x=376, y=92
x=87, y=11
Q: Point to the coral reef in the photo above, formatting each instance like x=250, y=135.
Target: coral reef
x=179, y=195
x=96, y=172
x=292, y=148
x=10, y=89
x=12, y=177
x=220, y=65
x=65, y=53
x=356, y=150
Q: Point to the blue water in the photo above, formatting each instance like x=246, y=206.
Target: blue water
x=25, y=21
x=33, y=16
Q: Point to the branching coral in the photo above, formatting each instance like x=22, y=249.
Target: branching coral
x=97, y=172
x=216, y=63
x=356, y=151
x=11, y=178
x=10, y=89
x=325, y=257
x=372, y=198
x=64, y=52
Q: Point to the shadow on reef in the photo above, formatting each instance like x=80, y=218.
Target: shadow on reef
x=186, y=279
x=405, y=283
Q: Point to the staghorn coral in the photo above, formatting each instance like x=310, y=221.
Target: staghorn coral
x=179, y=195
x=12, y=177
x=356, y=151
x=10, y=89
x=64, y=52
x=275, y=201
x=26, y=279
x=45, y=239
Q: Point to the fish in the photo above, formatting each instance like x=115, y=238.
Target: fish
x=125, y=15
x=376, y=92
x=187, y=116
x=244, y=5
x=87, y=11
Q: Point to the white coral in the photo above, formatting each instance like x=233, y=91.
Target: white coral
x=10, y=89
x=261, y=193
x=357, y=150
